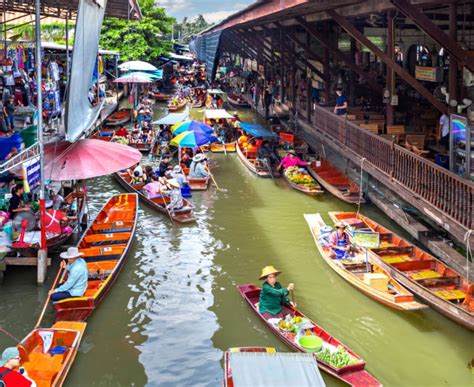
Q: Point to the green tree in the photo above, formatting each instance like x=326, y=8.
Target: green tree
x=186, y=29
x=139, y=39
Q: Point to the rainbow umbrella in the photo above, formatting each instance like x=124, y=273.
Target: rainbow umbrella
x=192, y=139
x=191, y=126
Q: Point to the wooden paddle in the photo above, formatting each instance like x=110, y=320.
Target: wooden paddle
x=164, y=202
x=292, y=296
x=38, y=323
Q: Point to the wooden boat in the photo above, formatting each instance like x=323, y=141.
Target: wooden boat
x=362, y=272
x=197, y=183
x=119, y=118
x=271, y=366
x=160, y=97
x=105, y=245
x=237, y=101
x=309, y=187
x=250, y=161
x=198, y=104
x=435, y=283
x=51, y=368
x=175, y=108
x=354, y=374
x=55, y=242
x=334, y=181
x=230, y=147
x=184, y=215
x=141, y=146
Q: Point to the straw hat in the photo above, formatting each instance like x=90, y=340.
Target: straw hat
x=8, y=354
x=340, y=225
x=198, y=158
x=174, y=183
x=71, y=253
x=267, y=270
x=292, y=152
x=177, y=169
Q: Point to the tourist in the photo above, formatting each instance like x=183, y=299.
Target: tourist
x=16, y=204
x=9, y=376
x=12, y=153
x=55, y=220
x=77, y=275
x=153, y=188
x=265, y=154
x=198, y=169
x=56, y=198
x=164, y=166
x=149, y=173
x=273, y=296
x=121, y=132
x=339, y=241
x=176, y=202
x=341, y=103
x=179, y=176
x=444, y=131
x=3, y=122
x=10, y=113
x=291, y=160
x=267, y=97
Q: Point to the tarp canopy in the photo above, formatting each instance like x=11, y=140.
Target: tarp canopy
x=261, y=369
x=257, y=130
x=216, y=114
x=206, y=49
x=172, y=118
x=181, y=57
x=137, y=65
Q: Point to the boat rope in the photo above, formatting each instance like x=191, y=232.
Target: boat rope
x=467, y=239
x=361, y=192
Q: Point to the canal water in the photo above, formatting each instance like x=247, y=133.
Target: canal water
x=175, y=308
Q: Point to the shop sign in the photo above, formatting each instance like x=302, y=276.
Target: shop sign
x=429, y=74
x=367, y=239
x=31, y=174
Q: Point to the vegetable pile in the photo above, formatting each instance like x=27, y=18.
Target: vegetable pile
x=295, y=176
x=340, y=358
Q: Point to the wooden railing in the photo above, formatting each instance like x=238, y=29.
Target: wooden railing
x=441, y=188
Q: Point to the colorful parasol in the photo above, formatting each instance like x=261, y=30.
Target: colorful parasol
x=192, y=139
x=134, y=78
x=87, y=158
x=191, y=126
x=137, y=65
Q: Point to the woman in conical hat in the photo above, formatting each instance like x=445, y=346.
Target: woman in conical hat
x=273, y=297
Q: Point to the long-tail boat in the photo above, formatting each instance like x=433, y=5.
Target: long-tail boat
x=238, y=101
x=334, y=181
x=217, y=147
x=160, y=97
x=119, y=118
x=266, y=367
x=353, y=374
x=249, y=159
x=441, y=287
x=361, y=271
x=105, y=245
x=179, y=106
x=48, y=367
x=184, y=215
x=143, y=147
x=301, y=182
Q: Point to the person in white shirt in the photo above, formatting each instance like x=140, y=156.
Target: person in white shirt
x=444, y=130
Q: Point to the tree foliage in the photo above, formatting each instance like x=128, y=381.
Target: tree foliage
x=186, y=29
x=138, y=39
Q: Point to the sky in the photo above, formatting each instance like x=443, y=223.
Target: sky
x=212, y=10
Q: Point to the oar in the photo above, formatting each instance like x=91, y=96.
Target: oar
x=292, y=295
x=3, y=330
x=166, y=206
x=225, y=150
x=38, y=323
x=214, y=181
x=269, y=167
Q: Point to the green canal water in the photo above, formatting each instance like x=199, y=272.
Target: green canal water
x=175, y=308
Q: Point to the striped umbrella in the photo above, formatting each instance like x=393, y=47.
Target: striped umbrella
x=192, y=139
x=191, y=126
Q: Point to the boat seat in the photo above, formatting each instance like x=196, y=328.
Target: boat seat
x=451, y=295
x=42, y=377
x=108, y=239
x=108, y=227
x=424, y=275
x=101, y=268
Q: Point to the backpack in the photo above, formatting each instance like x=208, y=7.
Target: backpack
x=2, y=374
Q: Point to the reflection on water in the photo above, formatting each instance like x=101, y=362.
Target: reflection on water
x=174, y=308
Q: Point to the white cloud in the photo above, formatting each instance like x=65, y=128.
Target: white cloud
x=174, y=5
x=214, y=17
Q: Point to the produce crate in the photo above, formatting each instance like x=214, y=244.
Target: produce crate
x=377, y=280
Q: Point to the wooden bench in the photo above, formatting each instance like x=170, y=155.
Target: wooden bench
x=374, y=128
x=376, y=117
x=396, y=129
x=380, y=123
x=416, y=144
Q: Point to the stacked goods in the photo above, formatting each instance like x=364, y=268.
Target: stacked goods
x=338, y=359
x=300, y=177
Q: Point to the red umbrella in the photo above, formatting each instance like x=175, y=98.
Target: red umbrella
x=87, y=158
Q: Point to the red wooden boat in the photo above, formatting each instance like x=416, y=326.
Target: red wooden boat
x=119, y=118
x=160, y=97
x=354, y=375
x=105, y=246
x=271, y=368
x=249, y=159
x=435, y=283
x=334, y=181
x=50, y=369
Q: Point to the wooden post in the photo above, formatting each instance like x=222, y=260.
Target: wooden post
x=453, y=63
x=390, y=74
x=309, y=105
x=351, y=75
x=327, y=71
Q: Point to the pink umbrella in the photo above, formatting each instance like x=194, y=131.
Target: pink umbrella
x=87, y=158
x=133, y=78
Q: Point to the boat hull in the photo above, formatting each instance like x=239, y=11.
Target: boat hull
x=252, y=167
x=310, y=191
x=219, y=148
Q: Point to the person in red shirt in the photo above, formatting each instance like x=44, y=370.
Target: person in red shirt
x=9, y=376
x=122, y=132
x=53, y=220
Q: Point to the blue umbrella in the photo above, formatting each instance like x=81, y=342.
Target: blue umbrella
x=192, y=139
x=191, y=126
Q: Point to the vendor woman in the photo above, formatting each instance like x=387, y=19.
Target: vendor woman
x=16, y=202
x=339, y=241
x=273, y=296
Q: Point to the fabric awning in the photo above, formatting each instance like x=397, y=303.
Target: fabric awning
x=216, y=114
x=173, y=118
x=257, y=130
x=261, y=369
